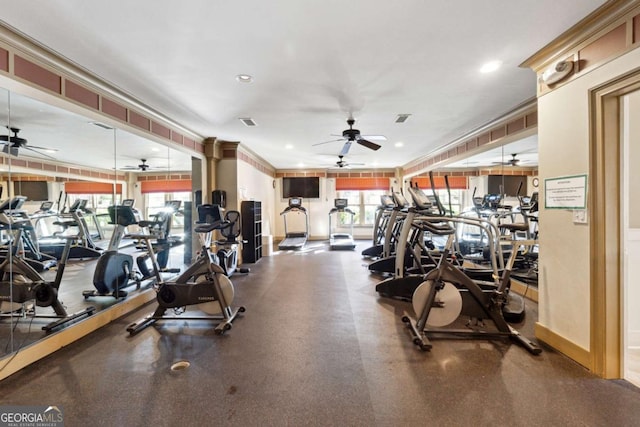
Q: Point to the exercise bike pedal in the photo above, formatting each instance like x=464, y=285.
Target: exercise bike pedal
x=119, y=294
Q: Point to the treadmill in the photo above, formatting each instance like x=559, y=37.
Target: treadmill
x=344, y=241
x=83, y=247
x=294, y=240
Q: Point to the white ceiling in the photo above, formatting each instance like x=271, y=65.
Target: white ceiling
x=314, y=63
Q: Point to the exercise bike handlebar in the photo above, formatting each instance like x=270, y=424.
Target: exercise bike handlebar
x=208, y=227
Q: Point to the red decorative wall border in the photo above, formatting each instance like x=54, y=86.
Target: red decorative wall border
x=44, y=74
x=509, y=127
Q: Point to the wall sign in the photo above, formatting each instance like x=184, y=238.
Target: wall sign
x=567, y=192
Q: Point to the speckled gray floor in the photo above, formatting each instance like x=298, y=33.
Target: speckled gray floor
x=316, y=347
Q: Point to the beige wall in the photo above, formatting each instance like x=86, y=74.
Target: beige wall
x=255, y=185
x=563, y=142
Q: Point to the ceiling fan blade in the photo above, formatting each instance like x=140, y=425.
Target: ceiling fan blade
x=374, y=137
x=368, y=144
x=327, y=142
x=40, y=148
x=345, y=149
x=39, y=152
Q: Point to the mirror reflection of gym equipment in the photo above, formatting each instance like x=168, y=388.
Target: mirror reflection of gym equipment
x=294, y=239
x=337, y=240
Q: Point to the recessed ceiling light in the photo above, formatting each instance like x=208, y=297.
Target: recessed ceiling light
x=288, y=146
x=399, y=144
x=244, y=78
x=156, y=149
x=490, y=66
x=300, y=165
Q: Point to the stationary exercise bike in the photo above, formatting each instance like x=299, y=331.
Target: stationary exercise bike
x=20, y=283
x=447, y=293
x=114, y=270
x=204, y=284
x=227, y=253
x=159, y=228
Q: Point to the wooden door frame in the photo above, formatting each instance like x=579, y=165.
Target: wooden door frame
x=605, y=224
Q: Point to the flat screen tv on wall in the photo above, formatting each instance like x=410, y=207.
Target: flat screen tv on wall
x=305, y=187
x=507, y=185
x=32, y=190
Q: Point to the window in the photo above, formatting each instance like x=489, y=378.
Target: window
x=456, y=200
x=364, y=203
x=154, y=202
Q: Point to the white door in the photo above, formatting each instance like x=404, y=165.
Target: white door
x=630, y=239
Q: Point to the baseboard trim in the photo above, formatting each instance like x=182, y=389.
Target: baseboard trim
x=530, y=292
x=563, y=345
x=12, y=363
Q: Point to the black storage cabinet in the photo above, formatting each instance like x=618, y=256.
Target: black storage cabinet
x=251, y=231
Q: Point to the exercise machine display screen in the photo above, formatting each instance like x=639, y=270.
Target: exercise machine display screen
x=209, y=214
x=295, y=202
x=400, y=200
x=340, y=203
x=386, y=201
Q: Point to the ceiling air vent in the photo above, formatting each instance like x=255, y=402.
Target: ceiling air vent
x=402, y=118
x=248, y=121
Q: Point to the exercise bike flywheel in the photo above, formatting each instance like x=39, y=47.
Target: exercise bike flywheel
x=446, y=308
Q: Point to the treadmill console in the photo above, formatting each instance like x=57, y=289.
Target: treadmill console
x=492, y=201
x=295, y=202
x=79, y=204
x=400, y=200
x=128, y=202
x=386, y=201
x=173, y=205
x=12, y=204
x=340, y=203
x=420, y=199
x=46, y=206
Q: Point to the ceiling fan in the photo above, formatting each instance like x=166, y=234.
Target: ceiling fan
x=513, y=161
x=143, y=166
x=341, y=163
x=13, y=143
x=350, y=135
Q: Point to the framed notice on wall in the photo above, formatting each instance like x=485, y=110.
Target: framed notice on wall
x=566, y=192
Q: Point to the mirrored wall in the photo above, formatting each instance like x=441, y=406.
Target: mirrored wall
x=61, y=172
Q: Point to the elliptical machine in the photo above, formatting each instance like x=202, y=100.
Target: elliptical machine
x=204, y=284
